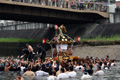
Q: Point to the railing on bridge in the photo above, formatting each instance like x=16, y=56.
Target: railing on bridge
x=71, y=4
x=18, y=25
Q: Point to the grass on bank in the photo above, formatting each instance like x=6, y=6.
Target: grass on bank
x=95, y=39
x=100, y=38
x=18, y=40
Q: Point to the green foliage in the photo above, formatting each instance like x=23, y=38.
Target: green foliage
x=100, y=38
x=18, y=40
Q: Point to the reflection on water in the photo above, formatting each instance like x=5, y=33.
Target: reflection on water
x=112, y=74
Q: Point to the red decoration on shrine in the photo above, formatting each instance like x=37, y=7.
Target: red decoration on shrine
x=78, y=39
x=56, y=39
x=43, y=41
x=56, y=27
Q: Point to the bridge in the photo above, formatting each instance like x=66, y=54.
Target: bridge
x=47, y=14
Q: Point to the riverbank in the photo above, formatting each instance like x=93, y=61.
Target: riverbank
x=97, y=51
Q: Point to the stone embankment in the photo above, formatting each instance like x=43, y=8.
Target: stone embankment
x=95, y=51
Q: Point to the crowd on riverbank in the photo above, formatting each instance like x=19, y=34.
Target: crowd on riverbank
x=57, y=70
x=73, y=4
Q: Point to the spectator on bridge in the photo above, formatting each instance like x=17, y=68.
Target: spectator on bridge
x=91, y=5
x=105, y=8
x=66, y=3
x=96, y=5
x=42, y=2
x=26, y=1
x=30, y=1
x=86, y=5
x=33, y=1
x=57, y=3
x=74, y=4
x=61, y=4
x=20, y=0
x=100, y=7
x=78, y=4
x=49, y=2
x=38, y=1
x=81, y=7
x=17, y=0
x=53, y=2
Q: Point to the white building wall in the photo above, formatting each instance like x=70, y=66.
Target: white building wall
x=112, y=10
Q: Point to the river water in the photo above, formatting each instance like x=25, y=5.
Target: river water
x=112, y=74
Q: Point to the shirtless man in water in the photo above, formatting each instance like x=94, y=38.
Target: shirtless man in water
x=19, y=77
x=6, y=68
x=29, y=73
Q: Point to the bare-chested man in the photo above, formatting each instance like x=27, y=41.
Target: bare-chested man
x=19, y=77
x=30, y=49
x=29, y=73
x=7, y=66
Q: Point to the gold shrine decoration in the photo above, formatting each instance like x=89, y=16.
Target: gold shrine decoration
x=77, y=39
x=62, y=42
x=47, y=40
x=63, y=28
x=65, y=54
x=65, y=39
x=65, y=57
x=61, y=38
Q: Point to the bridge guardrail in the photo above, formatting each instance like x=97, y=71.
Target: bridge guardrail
x=71, y=4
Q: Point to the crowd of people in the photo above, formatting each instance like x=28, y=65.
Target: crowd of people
x=74, y=4
x=54, y=69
